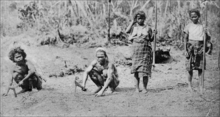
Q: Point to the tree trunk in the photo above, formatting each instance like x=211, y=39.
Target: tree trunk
x=109, y=21
x=219, y=58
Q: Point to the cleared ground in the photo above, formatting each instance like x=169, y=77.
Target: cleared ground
x=167, y=96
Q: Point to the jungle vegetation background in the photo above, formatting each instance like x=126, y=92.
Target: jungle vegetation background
x=86, y=22
x=60, y=38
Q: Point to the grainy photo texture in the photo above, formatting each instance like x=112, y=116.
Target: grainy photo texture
x=110, y=58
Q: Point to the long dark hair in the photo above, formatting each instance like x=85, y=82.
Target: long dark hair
x=16, y=50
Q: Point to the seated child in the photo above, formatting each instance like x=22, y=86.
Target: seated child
x=23, y=72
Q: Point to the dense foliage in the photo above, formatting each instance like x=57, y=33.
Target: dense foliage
x=75, y=21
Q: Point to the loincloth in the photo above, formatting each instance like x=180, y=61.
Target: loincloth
x=102, y=76
x=194, y=58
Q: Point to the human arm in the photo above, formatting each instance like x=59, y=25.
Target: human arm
x=208, y=43
x=31, y=70
x=185, y=41
x=129, y=28
x=86, y=73
x=209, y=48
x=151, y=34
x=186, y=38
x=185, y=44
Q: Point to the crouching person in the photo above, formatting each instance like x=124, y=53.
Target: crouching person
x=102, y=72
x=23, y=72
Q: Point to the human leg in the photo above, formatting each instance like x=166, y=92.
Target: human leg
x=190, y=75
x=145, y=82
x=28, y=84
x=200, y=77
x=22, y=91
x=97, y=79
x=136, y=82
x=25, y=87
x=114, y=83
x=36, y=81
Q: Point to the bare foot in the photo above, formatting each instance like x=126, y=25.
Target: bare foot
x=22, y=91
x=112, y=90
x=145, y=91
x=97, y=90
x=201, y=90
x=84, y=89
x=138, y=90
x=99, y=94
x=190, y=89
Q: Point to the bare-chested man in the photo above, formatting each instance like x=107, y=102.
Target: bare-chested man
x=23, y=72
x=102, y=72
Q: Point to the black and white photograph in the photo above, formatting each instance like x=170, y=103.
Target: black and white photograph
x=104, y=58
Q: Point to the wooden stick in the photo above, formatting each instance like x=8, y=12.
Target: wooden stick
x=13, y=89
x=39, y=76
x=109, y=1
x=15, y=94
x=219, y=57
x=154, y=49
x=204, y=53
x=43, y=79
x=208, y=112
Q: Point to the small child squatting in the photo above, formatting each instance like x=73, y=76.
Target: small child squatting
x=23, y=72
x=194, y=39
x=102, y=72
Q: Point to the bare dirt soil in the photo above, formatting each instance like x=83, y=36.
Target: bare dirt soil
x=167, y=96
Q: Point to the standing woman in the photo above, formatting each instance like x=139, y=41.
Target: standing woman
x=141, y=35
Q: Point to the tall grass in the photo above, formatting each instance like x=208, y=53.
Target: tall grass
x=69, y=16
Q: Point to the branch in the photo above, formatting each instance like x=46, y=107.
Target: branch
x=145, y=4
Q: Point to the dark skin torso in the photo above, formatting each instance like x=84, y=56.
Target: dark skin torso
x=21, y=69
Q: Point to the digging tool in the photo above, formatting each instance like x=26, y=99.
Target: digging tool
x=204, y=53
x=42, y=79
x=39, y=76
x=154, y=49
x=76, y=84
x=13, y=87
